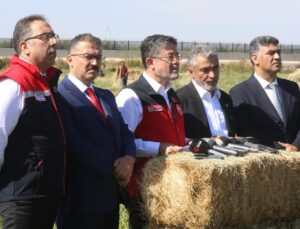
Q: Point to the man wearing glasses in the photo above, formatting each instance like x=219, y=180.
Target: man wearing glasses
x=152, y=111
x=31, y=133
x=207, y=109
x=100, y=147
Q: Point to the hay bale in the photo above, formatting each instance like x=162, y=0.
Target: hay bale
x=181, y=192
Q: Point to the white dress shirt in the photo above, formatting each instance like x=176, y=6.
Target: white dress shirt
x=11, y=106
x=131, y=109
x=213, y=110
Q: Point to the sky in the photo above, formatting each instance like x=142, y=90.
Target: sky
x=227, y=21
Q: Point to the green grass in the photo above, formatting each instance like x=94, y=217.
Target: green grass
x=230, y=74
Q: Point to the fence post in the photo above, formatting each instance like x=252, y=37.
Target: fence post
x=181, y=45
x=292, y=48
x=231, y=47
x=220, y=47
x=244, y=47
x=114, y=45
x=128, y=45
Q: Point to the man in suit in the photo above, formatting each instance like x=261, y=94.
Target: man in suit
x=100, y=147
x=268, y=107
x=152, y=111
x=207, y=109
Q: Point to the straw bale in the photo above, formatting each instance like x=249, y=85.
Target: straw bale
x=182, y=192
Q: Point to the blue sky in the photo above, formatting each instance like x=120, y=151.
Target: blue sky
x=187, y=20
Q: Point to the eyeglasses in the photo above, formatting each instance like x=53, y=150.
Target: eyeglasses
x=44, y=37
x=89, y=57
x=208, y=69
x=169, y=58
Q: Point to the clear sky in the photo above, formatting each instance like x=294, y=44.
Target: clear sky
x=187, y=20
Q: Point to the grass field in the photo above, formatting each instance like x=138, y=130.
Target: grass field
x=231, y=74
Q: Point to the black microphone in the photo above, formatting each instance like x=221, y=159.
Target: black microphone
x=252, y=143
x=221, y=149
x=202, y=148
x=232, y=144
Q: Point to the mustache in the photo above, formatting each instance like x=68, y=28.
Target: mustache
x=94, y=68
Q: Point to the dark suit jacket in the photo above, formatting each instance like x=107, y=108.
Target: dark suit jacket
x=257, y=117
x=92, y=148
x=195, y=119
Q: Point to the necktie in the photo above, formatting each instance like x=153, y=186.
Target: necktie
x=275, y=99
x=94, y=100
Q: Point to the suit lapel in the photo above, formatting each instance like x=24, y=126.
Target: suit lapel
x=80, y=96
x=285, y=98
x=225, y=109
x=106, y=107
x=198, y=104
x=262, y=99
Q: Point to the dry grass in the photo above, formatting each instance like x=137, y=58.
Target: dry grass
x=181, y=192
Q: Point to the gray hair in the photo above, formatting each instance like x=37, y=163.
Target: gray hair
x=22, y=29
x=84, y=37
x=203, y=51
x=259, y=41
x=152, y=45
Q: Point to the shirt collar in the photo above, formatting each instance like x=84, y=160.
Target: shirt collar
x=203, y=93
x=157, y=87
x=264, y=83
x=81, y=86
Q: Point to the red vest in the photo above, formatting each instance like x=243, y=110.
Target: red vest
x=34, y=156
x=158, y=124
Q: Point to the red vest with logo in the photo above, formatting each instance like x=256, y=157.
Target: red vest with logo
x=158, y=124
x=34, y=158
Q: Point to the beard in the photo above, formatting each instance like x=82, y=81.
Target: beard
x=174, y=76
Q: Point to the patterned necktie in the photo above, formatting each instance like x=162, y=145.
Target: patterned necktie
x=275, y=99
x=94, y=100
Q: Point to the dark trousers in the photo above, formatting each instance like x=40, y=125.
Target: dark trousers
x=29, y=214
x=108, y=220
x=137, y=218
x=124, y=81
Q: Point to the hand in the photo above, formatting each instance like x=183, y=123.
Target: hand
x=289, y=147
x=167, y=148
x=123, y=169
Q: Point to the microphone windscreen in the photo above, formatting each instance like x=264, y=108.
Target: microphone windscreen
x=221, y=140
x=199, y=146
x=211, y=142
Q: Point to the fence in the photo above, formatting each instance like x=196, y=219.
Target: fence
x=182, y=46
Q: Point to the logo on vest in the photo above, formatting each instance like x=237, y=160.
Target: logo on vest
x=39, y=97
x=155, y=108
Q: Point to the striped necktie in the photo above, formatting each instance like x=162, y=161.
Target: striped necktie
x=275, y=99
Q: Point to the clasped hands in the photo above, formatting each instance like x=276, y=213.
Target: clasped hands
x=123, y=169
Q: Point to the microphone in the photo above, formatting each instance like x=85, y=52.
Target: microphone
x=212, y=143
x=233, y=144
x=248, y=141
x=202, y=148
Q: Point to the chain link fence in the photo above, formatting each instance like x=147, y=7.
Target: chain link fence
x=182, y=46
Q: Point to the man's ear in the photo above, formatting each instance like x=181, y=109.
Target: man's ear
x=69, y=61
x=24, y=47
x=190, y=71
x=149, y=61
x=254, y=59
